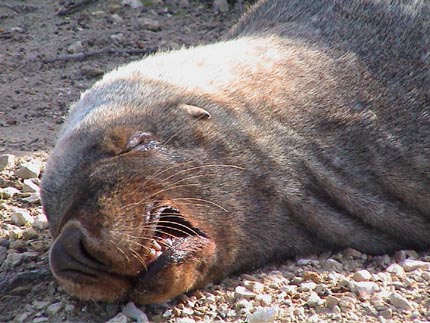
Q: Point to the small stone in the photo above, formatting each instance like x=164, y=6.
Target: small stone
x=30, y=234
x=135, y=313
x=308, y=286
x=8, y=192
x=353, y=253
x=332, y=265
x=7, y=161
x=410, y=265
x=29, y=186
x=399, y=301
x=3, y=254
x=306, y=262
x=119, y=318
x=39, y=305
x=91, y=71
x=117, y=18
x=29, y=170
x=362, y=276
x=397, y=270
x=40, y=319
x=242, y=292
x=41, y=222
x=185, y=320
x=265, y=299
x=21, y=217
x=149, y=24
x=69, y=307
x=313, y=276
x=220, y=5
x=187, y=311
x=14, y=233
x=364, y=288
x=22, y=318
x=117, y=37
x=425, y=275
x=54, y=308
x=135, y=4
x=98, y=13
x=12, y=260
x=331, y=302
x=263, y=315
x=184, y=3
x=34, y=198
x=314, y=300
x=387, y=313
x=254, y=286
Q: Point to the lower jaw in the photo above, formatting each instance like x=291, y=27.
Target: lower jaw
x=106, y=288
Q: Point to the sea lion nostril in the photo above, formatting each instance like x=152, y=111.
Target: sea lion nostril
x=69, y=254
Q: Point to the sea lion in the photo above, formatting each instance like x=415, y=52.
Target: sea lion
x=306, y=129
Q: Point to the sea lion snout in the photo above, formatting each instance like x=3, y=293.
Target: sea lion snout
x=69, y=256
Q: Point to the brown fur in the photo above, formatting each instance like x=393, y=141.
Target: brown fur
x=307, y=129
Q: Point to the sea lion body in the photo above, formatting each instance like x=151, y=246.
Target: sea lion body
x=306, y=129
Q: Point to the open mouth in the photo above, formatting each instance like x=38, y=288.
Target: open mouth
x=170, y=229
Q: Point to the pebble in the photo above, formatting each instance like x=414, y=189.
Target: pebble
x=91, y=71
x=313, y=276
x=41, y=222
x=265, y=299
x=352, y=253
x=410, y=265
x=307, y=262
x=242, y=292
x=263, y=315
x=30, y=234
x=399, y=301
x=149, y=24
x=29, y=186
x=314, y=300
x=7, y=161
x=14, y=232
x=69, y=307
x=135, y=313
x=396, y=270
x=40, y=319
x=119, y=318
x=254, y=286
x=220, y=5
x=185, y=320
x=29, y=169
x=135, y=4
x=362, y=276
x=21, y=217
x=12, y=260
x=332, y=264
x=34, y=198
x=3, y=254
x=364, y=288
x=184, y=3
x=54, y=308
x=331, y=301
x=8, y=192
x=38, y=305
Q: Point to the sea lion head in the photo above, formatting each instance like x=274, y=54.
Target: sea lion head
x=125, y=195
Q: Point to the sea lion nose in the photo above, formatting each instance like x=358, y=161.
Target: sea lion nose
x=69, y=256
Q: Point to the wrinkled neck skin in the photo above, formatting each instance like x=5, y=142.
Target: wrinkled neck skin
x=307, y=148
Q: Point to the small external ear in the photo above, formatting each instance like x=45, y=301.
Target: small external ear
x=194, y=111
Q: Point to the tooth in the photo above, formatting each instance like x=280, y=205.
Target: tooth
x=158, y=254
x=168, y=241
x=152, y=252
x=156, y=245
